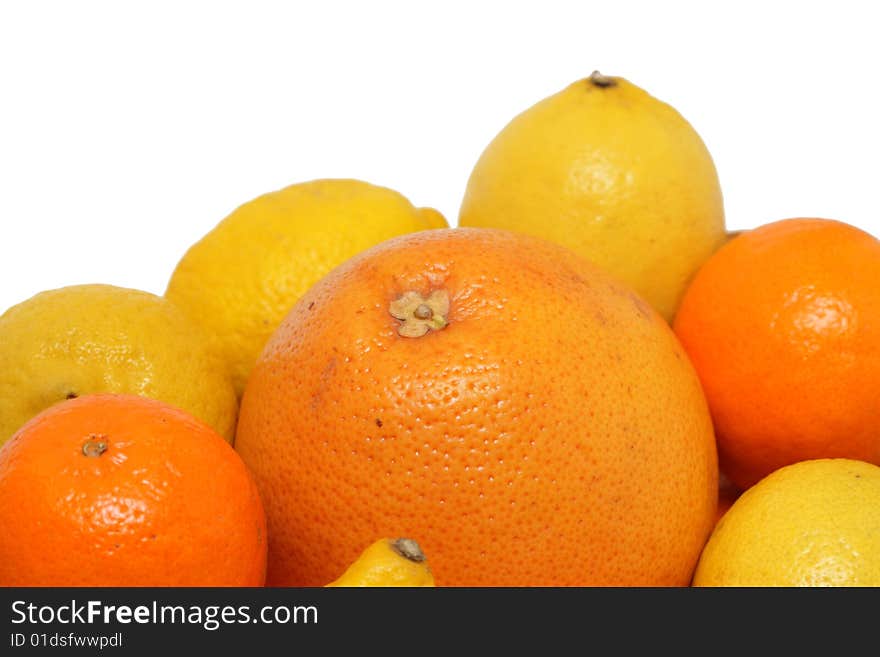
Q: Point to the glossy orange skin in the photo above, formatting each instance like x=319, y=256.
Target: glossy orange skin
x=552, y=434
x=169, y=503
x=783, y=326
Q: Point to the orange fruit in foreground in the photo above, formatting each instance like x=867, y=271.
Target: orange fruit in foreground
x=122, y=490
x=526, y=418
x=783, y=326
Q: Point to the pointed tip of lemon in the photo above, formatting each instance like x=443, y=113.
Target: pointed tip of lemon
x=388, y=562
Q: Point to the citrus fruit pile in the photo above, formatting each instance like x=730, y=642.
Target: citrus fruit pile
x=588, y=379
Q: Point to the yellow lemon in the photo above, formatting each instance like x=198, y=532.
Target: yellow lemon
x=611, y=172
x=240, y=280
x=388, y=562
x=812, y=523
x=82, y=339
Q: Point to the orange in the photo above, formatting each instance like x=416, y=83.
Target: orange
x=528, y=418
x=783, y=326
x=122, y=490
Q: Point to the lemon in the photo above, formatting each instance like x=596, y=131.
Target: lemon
x=611, y=172
x=812, y=523
x=82, y=339
x=388, y=562
x=240, y=280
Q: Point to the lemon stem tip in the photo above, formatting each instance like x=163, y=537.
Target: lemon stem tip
x=602, y=81
x=409, y=549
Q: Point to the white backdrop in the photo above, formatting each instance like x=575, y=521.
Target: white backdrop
x=128, y=130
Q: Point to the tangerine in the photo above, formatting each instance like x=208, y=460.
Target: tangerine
x=122, y=490
x=783, y=327
x=531, y=420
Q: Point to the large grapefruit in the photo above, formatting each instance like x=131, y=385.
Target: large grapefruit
x=526, y=418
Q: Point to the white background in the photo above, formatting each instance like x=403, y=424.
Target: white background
x=128, y=130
